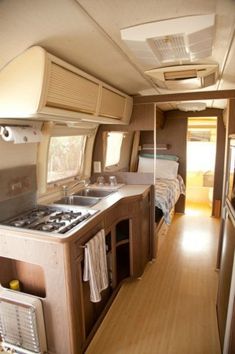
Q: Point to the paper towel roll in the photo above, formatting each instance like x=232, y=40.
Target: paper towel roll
x=21, y=135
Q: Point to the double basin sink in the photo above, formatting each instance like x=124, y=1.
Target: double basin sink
x=85, y=197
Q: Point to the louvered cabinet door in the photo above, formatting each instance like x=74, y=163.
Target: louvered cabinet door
x=70, y=91
x=112, y=104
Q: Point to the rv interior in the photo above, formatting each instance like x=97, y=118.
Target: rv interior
x=117, y=155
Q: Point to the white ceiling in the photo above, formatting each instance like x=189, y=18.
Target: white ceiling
x=86, y=33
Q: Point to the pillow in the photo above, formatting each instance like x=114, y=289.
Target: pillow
x=166, y=169
x=145, y=165
x=168, y=157
x=162, y=157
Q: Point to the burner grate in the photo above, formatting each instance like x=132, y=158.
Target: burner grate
x=51, y=219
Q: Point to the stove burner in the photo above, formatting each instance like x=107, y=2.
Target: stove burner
x=51, y=219
x=18, y=223
x=48, y=226
x=65, y=215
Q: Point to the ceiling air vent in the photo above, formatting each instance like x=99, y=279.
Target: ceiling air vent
x=173, y=41
x=184, y=77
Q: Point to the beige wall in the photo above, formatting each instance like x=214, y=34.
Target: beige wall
x=12, y=155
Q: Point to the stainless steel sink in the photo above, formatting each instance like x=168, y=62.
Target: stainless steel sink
x=78, y=200
x=98, y=193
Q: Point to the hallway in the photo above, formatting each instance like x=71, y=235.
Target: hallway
x=171, y=310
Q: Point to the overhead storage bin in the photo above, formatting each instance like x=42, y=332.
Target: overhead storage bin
x=37, y=84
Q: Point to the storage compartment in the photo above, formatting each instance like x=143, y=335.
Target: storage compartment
x=123, y=262
x=92, y=310
x=76, y=94
x=31, y=276
x=122, y=231
x=112, y=105
x=38, y=82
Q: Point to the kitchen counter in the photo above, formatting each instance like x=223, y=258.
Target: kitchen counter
x=50, y=266
x=103, y=205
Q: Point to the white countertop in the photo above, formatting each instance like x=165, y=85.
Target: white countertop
x=104, y=204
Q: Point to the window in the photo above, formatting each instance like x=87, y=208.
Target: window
x=65, y=157
x=199, y=135
x=113, y=148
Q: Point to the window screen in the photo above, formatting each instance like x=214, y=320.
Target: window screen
x=113, y=148
x=65, y=157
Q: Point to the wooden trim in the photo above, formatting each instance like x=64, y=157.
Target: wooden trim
x=208, y=112
x=187, y=96
x=134, y=153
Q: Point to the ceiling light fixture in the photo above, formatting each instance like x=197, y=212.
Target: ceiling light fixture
x=191, y=106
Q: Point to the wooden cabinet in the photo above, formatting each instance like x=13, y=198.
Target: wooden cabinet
x=128, y=249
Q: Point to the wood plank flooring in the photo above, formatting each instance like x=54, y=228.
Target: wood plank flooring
x=171, y=310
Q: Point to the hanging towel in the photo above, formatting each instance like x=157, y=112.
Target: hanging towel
x=95, y=265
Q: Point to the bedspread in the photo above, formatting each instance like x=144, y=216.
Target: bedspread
x=167, y=192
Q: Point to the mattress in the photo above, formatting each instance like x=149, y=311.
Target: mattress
x=167, y=192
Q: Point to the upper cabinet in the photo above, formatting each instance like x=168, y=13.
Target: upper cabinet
x=70, y=91
x=40, y=85
x=112, y=104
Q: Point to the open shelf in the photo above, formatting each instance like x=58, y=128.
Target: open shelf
x=122, y=231
x=30, y=276
x=123, y=262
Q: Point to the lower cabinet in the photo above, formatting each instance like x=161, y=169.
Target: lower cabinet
x=128, y=241
x=118, y=262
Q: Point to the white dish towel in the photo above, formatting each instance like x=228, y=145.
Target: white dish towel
x=95, y=266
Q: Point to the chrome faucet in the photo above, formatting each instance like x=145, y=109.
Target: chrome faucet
x=66, y=188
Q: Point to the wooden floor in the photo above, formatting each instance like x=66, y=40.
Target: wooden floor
x=171, y=310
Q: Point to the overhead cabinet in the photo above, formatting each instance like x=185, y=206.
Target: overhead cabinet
x=112, y=104
x=67, y=90
x=38, y=84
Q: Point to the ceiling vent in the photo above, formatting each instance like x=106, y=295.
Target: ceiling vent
x=161, y=42
x=184, y=77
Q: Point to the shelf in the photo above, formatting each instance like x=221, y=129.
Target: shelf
x=30, y=276
x=123, y=262
x=123, y=242
x=122, y=231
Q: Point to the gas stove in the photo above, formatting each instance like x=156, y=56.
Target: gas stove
x=51, y=219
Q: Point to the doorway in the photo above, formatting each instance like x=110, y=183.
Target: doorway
x=201, y=154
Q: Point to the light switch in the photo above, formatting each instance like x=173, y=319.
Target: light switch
x=97, y=166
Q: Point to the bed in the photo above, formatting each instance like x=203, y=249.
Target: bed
x=168, y=184
x=167, y=192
